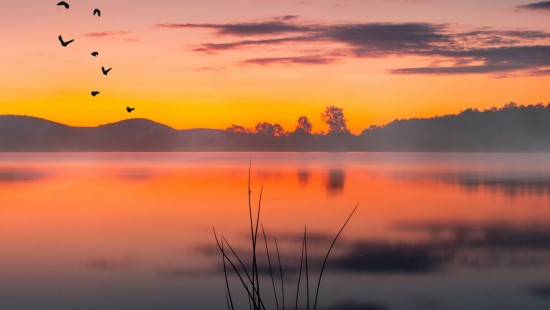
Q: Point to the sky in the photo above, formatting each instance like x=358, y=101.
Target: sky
x=214, y=63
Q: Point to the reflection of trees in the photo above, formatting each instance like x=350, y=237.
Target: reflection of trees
x=508, y=183
x=303, y=177
x=335, y=182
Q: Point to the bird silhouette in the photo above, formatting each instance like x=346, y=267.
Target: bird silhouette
x=65, y=43
x=97, y=12
x=95, y=54
x=95, y=93
x=130, y=109
x=105, y=71
x=63, y=3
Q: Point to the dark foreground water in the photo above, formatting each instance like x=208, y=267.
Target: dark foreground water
x=134, y=231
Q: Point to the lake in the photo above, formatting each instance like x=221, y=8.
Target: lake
x=135, y=230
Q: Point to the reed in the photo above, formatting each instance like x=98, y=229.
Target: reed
x=249, y=276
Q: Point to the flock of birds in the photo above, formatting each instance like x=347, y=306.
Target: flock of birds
x=64, y=43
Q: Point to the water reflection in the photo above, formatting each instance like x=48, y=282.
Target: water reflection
x=134, y=231
x=110, y=264
x=303, y=176
x=509, y=183
x=357, y=306
x=486, y=246
x=135, y=174
x=11, y=175
x=542, y=290
x=335, y=181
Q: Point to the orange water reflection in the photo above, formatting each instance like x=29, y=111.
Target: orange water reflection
x=107, y=227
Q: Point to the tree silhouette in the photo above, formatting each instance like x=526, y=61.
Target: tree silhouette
x=334, y=118
x=237, y=129
x=304, y=126
x=268, y=129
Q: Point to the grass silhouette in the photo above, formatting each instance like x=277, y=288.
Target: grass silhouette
x=249, y=276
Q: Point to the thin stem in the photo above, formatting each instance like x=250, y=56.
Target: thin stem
x=300, y=275
x=228, y=291
x=227, y=300
x=328, y=253
x=227, y=282
x=307, y=273
x=255, y=257
x=252, y=233
x=281, y=272
x=254, y=289
x=270, y=269
x=237, y=272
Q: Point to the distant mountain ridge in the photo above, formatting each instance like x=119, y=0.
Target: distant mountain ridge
x=511, y=128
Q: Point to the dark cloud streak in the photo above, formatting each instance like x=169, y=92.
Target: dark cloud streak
x=246, y=29
x=106, y=34
x=473, y=52
x=303, y=60
x=536, y=6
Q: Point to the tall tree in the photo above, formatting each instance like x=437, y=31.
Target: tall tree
x=334, y=118
x=269, y=129
x=237, y=129
x=304, y=125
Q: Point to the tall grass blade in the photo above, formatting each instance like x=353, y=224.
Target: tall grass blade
x=238, y=273
x=281, y=273
x=255, y=257
x=227, y=300
x=228, y=291
x=255, y=290
x=328, y=253
x=300, y=274
x=230, y=299
x=270, y=269
x=252, y=235
x=307, y=272
x=249, y=301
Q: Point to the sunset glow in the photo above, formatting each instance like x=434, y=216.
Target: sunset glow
x=197, y=64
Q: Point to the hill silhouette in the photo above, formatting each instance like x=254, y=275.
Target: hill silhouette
x=511, y=128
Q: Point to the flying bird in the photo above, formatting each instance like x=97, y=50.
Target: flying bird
x=97, y=12
x=95, y=93
x=105, y=71
x=63, y=42
x=130, y=109
x=63, y=3
x=95, y=54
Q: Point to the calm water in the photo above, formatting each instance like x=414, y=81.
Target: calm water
x=134, y=231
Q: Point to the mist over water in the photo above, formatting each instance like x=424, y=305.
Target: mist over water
x=134, y=231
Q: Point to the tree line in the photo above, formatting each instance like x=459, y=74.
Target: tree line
x=332, y=116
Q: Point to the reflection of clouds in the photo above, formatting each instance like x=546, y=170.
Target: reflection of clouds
x=313, y=238
x=479, y=246
x=391, y=258
x=485, y=246
x=11, y=175
x=103, y=264
x=536, y=235
x=265, y=174
x=135, y=174
x=356, y=306
x=335, y=181
x=511, y=184
x=540, y=290
x=183, y=272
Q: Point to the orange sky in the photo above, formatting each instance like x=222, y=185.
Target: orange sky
x=379, y=60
